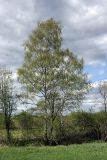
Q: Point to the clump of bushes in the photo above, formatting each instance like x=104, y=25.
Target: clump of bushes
x=78, y=127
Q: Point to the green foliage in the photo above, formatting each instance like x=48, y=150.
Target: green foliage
x=83, y=126
x=101, y=125
x=78, y=127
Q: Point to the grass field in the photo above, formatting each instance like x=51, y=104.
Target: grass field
x=92, y=151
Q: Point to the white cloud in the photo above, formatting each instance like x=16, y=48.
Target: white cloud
x=97, y=62
x=89, y=76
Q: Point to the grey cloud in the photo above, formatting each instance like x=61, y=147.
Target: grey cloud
x=17, y=20
x=84, y=24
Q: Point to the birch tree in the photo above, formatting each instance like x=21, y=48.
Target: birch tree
x=52, y=73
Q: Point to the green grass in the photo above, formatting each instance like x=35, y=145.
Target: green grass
x=91, y=151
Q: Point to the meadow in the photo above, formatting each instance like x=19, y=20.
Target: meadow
x=89, y=151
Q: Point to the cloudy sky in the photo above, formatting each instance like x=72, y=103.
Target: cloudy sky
x=84, y=28
x=84, y=31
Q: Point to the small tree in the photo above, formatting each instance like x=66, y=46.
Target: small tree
x=7, y=98
x=103, y=93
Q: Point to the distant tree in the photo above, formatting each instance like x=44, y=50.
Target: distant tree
x=25, y=120
x=53, y=74
x=100, y=119
x=7, y=98
x=102, y=89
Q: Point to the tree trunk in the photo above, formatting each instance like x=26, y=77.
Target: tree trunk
x=51, y=133
x=7, y=126
x=46, y=132
x=8, y=135
x=8, y=132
